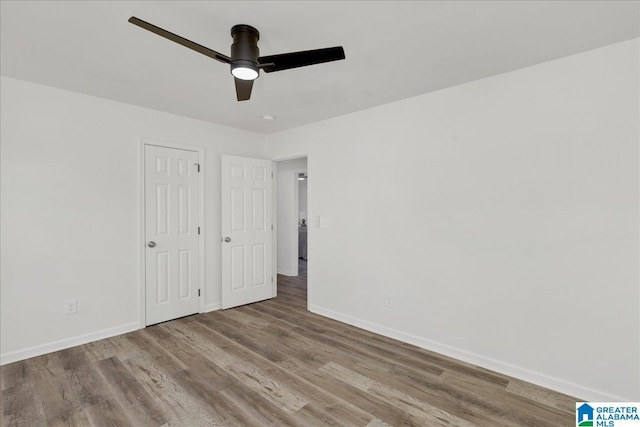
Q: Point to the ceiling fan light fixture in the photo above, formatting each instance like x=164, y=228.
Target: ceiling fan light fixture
x=244, y=72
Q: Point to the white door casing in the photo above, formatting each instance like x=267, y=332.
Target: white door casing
x=247, y=230
x=172, y=192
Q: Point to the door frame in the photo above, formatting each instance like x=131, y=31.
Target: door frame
x=296, y=213
x=274, y=221
x=282, y=158
x=142, y=142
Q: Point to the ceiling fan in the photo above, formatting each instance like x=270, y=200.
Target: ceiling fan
x=245, y=59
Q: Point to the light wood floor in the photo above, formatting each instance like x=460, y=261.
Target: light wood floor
x=269, y=363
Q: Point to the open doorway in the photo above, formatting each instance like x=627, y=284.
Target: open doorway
x=303, y=178
x=292, y=221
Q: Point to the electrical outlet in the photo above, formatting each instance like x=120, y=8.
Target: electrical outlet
x=70, y=306
x=388, y=302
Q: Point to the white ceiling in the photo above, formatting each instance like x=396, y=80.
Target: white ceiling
x=394, y=50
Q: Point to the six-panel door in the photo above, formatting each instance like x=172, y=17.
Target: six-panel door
x=171, y=231
x=246, y=231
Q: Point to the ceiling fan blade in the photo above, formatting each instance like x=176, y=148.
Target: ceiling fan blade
x=243, y=89
x=180, y=40
x=285, y=61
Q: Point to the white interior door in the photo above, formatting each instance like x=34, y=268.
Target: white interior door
x=247, y=231
x=171, y=232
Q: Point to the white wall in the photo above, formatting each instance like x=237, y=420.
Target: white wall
x=70, y=211
x=501, y=216
x=288, y=215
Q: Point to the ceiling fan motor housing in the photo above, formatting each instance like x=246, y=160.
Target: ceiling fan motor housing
x=244, y=50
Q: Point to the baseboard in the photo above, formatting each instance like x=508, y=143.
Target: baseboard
x=213, y=306
x=504, y=368
x=14, y=356
x=286, y=272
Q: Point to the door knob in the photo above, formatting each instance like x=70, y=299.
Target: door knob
x=227, y=239
x=151, y=244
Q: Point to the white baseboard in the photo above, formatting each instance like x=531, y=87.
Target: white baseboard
x=504, y=368
x=213, y=306
x=286, y=272
x=14, y=356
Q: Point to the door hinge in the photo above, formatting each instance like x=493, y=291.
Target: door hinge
x=271, y=279
x=198, y=292
x=271, y=227
x=198, y=166
x=198, y=230
x=271, y=174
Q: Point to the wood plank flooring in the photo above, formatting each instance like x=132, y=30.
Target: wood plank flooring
x=269, y=363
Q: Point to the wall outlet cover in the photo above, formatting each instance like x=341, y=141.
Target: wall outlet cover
x=70, y=306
